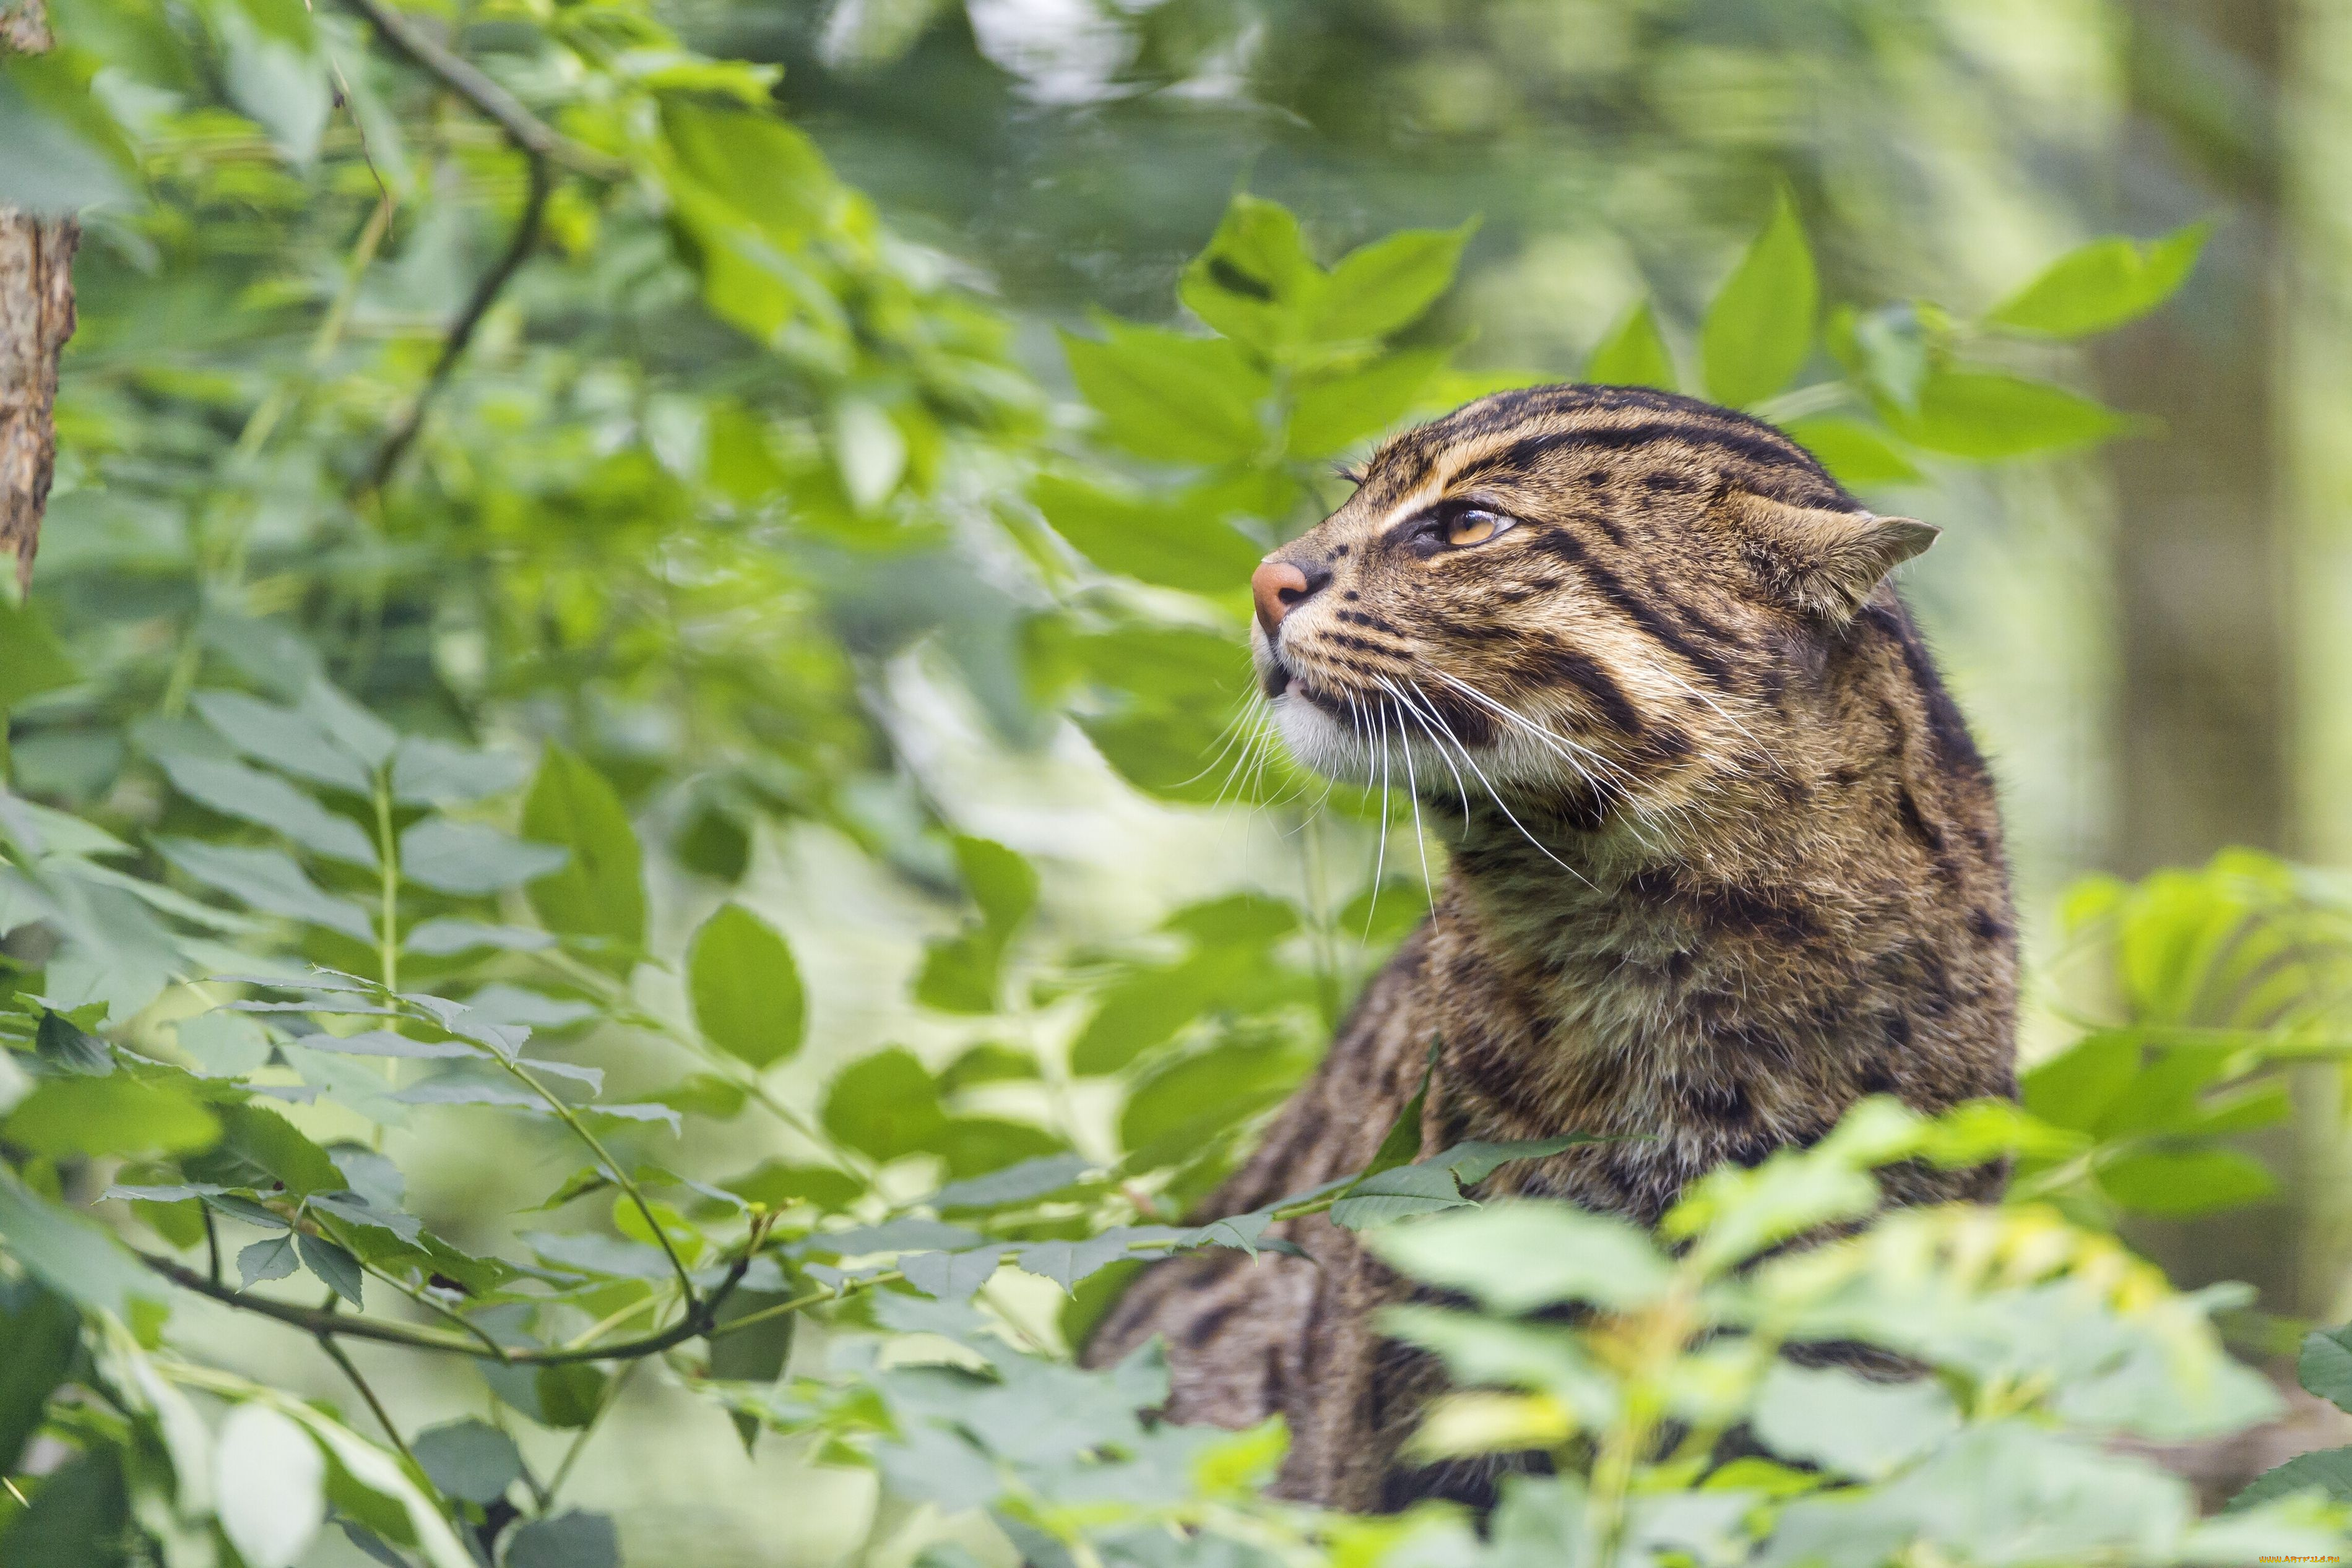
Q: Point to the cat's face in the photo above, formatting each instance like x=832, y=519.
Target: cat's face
x=1580, y=596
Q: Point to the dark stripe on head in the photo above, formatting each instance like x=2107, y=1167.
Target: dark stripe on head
x=1551, y=662
x=1560, y=542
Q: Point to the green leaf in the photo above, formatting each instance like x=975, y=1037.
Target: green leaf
x=776, y=1185
x=32, y=660
x=288, y=740
x=428, y=772
x=1001, y=881
x=1831, y=1417
x=274, y=72
x=1400, y=1193
x=1067, y=1262
x=67, y=1047
x=42, y=1331
x=745, y=988
x=332, y=1264
x=2191, y=1181
x=1989, y=415
x=951, y=1276
x=250, y=795
x=2103, y=285
x=118, y=1114
x=469, y=858
x=270, y=881
x=1023, y=1182
x=1172, y=697
x=2076, y=1087
x=570, y=1539
x=1150, y=1006
x=1167, y=396
x=973, y=1146
x=1400, y=1145
x=70, y=1254
x=258, y=1148
x=989, y=1062
x=600, y=892
x=885, y=1105
x=1856, y=455
x=272, y=1258
x=59, y=151
x=270, y=1486
x=1255, y=280
x=1761, y=326
x=80, y=1517
x=1634, y=354
x=2329, y=1472
x=469, y=1460
x=443, y=939
x=2323, y=1367
x=1182, y=540
x=1331, y=411
x=1177, y=1108
x=1515, y=1255
x=1389, y=284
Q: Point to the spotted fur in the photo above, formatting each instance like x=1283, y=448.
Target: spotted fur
x=1724, y=860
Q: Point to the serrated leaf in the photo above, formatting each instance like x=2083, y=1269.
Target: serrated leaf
x=118, y=1114
x=2324, y=1365
x=1332, y=411
x=951, y=1276
x=1067, y=1262
x=332, y=1264
x=1167, y=396
x=2329, y=1472
x=746, y=988
x=1760, y=327
x=272, y=1258
x=1397, y=1193
x=1381, y=288
x=1026, y=1181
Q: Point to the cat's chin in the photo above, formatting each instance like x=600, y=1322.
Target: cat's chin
x=1371, y=752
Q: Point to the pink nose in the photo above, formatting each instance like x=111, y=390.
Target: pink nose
x=1276, y=585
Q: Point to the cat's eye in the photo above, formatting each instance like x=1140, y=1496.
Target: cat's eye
x=1473, y=526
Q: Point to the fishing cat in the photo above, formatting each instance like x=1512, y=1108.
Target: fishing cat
x=1724, y=860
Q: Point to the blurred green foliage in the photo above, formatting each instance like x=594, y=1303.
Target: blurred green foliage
x=505, y=471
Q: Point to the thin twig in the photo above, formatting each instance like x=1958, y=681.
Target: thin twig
x=465, y=79
x=702, y=1323
x=337, y=1354
x=453, y=347
x=571, y=1453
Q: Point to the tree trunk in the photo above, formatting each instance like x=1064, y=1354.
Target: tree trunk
x=37, y=317
x=2204, y=529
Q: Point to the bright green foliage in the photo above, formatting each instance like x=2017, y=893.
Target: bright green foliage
x=2226, y=978
x=281, y=885
x=746, y=987
x=2324, y=1368
x=1760, y=326
x=2104, y=285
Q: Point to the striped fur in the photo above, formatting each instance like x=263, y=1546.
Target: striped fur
x=1725, y=860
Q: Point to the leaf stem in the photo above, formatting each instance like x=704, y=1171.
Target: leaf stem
x=620, y=1178
x=336, y=1354
x=611, y=1396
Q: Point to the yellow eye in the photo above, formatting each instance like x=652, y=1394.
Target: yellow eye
x=1474, y=527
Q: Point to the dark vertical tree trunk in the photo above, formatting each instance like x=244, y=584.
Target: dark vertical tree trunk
x=37, y=317
x=2203, y=524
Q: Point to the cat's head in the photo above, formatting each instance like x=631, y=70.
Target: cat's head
x=1566, y=593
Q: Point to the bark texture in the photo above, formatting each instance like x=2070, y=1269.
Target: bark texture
x=37, y=317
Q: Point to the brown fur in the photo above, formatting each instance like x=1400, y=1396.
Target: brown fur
x=1724, y=862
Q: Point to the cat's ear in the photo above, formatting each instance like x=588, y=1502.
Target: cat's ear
x=1826, y=563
